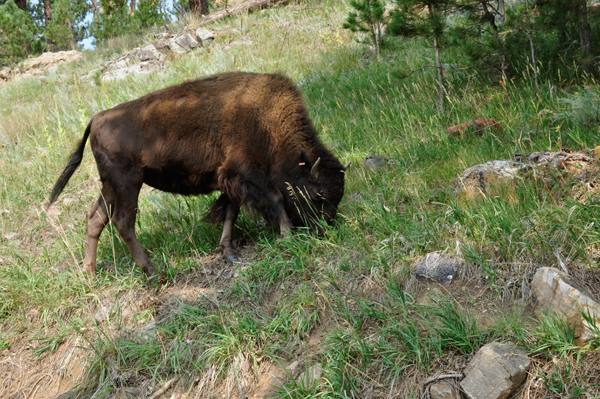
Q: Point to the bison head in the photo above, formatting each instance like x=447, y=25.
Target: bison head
x=314, y=190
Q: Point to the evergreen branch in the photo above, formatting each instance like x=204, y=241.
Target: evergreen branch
x=415, y=70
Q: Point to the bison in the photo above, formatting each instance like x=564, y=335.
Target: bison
x=246, y=135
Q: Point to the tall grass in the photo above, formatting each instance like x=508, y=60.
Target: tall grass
x=353, y=285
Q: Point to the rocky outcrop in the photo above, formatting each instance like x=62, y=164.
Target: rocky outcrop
x=143, y=60
x=495, y=372
x=493, y=176
x=553, y=291
x=487, y=177
x=42, y=65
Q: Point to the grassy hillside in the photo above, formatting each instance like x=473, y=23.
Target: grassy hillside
x=349, y=300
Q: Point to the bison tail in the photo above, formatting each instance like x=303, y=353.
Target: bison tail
x=71, y=167
x=216, y=213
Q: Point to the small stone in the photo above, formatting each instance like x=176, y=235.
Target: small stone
x=204, y=36
x=438, y=267
x=311, y=376
x=53, y=211
x=294, y=369
x=375, y=162
x=443, y=390
x=554, y=291
x=102, y=315
x=495, y=372
x=148, y=331
x=597, y=152
x=9, y=236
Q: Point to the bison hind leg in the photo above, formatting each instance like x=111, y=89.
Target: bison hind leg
x=225, y=211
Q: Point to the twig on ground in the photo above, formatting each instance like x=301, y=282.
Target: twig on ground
x=165, y=388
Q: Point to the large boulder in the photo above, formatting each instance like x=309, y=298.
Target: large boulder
x=495, y=372
x=553, y=291
x=47, y=60
x=487, y=178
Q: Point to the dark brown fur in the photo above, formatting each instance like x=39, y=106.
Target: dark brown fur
x=246, y=135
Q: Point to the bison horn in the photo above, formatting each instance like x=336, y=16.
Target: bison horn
x=345, y=167
x=314, y=172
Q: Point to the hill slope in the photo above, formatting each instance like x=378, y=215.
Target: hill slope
x=348, y=301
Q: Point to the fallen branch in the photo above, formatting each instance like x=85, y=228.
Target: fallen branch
x=443, y=377
x=238, y=8
x=165, y=388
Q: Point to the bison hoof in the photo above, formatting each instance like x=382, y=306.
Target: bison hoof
x=150, y=271
x=232, y=259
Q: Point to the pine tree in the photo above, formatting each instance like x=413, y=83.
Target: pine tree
x=67, y=25
x=17, y=34
x=148, y=13
x=369, y=18
x=425, y=18
x=113, y=19
x=480, y=32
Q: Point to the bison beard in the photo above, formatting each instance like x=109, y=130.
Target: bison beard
x=246, y=135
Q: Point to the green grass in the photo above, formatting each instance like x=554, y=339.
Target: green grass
x=347, y=300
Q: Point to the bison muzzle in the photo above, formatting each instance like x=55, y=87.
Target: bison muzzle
x=246, y=135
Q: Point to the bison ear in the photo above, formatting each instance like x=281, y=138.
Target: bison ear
x=303, y=159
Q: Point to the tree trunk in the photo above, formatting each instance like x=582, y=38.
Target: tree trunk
x=533, y=61
x=438, y=63
x=47, y=12
x=22, y=4
x=132, y=7
x=47, y=19
x=95, y=10
x=238, y=8
x=199, y=7
x=584, y=29
x=502, y=11
x=70, y=26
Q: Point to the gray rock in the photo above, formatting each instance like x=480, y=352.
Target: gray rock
x=162, y=46
x=495, y=372
x=554, y=291
x=148, y=331
x=175, y=47
x=482, y=178
x=102, y=315
x=438, y=267
x=204, y=36
x=294, y=369
x=375, y=162
x=443, y=390
x=185, y=43
x=311, y=376
x=163, y=35
x=149, y=53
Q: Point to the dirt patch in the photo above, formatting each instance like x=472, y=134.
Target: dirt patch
x=25, y=375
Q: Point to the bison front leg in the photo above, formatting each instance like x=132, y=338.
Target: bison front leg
x=123, y=218
x=231, y=214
